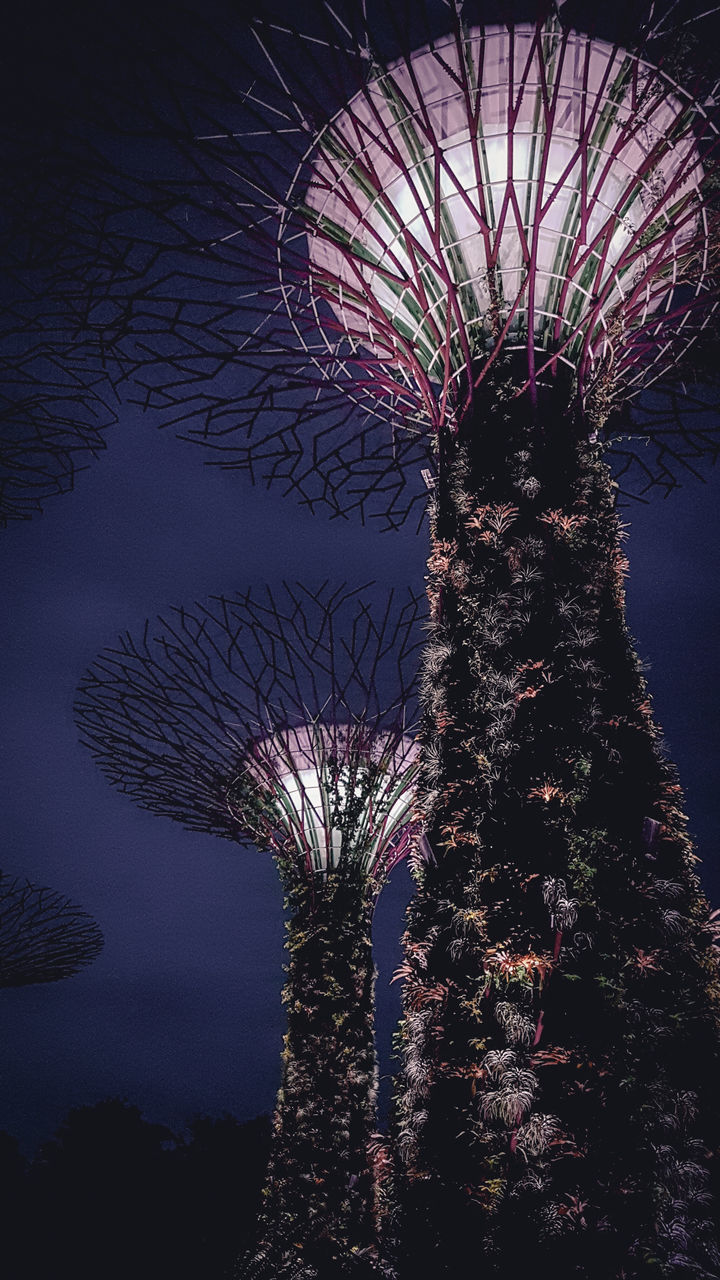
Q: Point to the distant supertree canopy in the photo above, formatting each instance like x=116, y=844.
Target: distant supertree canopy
x=56, y=399
x=282, y=719
x=218, y=707
x=44, y=937
x=378, y=208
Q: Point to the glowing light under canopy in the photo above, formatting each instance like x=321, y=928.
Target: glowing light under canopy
x=525, y=185
x=339, y=795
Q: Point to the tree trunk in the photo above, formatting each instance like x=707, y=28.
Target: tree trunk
x=561, y=1003
x=317, y=1214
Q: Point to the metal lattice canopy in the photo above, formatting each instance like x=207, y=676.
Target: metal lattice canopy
x=339, y=793
x=56, y=398
x=44, y=937
x=48, y=431
x=378, y=202
x=526, y=189
x=274, y=718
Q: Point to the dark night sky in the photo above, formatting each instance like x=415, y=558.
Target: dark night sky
x=181, y=1013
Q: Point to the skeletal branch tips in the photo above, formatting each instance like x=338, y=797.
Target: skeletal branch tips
x=44, y=937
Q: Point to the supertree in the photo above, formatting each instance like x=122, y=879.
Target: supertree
x=279, y=719
x=44, y=937
x=267, y=266
x=64, y=250
x=492, y=238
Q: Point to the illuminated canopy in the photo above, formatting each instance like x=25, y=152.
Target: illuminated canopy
x=520, y=184
x=339, y=794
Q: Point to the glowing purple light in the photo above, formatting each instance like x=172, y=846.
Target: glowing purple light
x=337, y=793
x=524, y=187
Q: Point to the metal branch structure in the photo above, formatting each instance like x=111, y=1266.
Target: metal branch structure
x=65, y=259
x=420, y=232
x=520, y=189
x=49, y=433
x=44, y=937
x=377, y=208
x=280, y=719
x=341, y=792
x=224, y=700
x=55, y=404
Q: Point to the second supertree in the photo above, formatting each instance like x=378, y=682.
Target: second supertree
x=280, y=720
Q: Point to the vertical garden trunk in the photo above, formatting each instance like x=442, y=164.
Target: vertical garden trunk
x=561, y=997
x=317, y=1214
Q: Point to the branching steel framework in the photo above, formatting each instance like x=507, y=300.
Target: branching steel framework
x=353, y=246
x=250, y=689
x=48, y=434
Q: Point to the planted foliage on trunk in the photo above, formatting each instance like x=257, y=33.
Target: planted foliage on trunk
x=317, y=1214
x=561, y=1002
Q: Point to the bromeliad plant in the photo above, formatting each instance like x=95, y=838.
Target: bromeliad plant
x=281, y=721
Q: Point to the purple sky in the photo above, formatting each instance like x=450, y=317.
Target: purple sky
x=181, y=1013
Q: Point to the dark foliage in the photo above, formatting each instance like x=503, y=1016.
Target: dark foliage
x=115, y=1195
